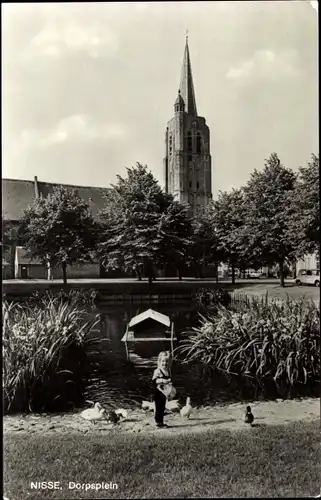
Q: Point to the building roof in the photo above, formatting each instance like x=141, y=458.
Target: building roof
x=186, y=86
x=18, y=194
x=22, y=258
x=150, y=314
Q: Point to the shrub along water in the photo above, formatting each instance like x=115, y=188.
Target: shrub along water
x=261, y=338
x=44, y=359
x=212, y=297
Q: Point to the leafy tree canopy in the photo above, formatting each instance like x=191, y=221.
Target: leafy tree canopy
x=265, y=231
x=59, y=229
x=138, y=221
x=228, y=218
x=304, y=209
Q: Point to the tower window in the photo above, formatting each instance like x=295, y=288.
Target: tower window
x=170, y=145
x=190, y=158
x=190, y=184
x=197, y=185
x=198, y=143
x=189, y=142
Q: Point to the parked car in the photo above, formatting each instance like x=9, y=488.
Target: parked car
x=253, y=274
x=308, y=277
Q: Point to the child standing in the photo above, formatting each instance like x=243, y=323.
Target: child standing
x=161, y=377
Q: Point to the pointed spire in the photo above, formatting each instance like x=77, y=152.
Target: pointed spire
x=186, y=86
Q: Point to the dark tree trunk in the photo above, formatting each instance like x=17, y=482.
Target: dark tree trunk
x=233, y=274
x=179, y=273
x=281, y=270
x=64, y=272
x=216, y=272
x=200, y=271
x=137, y=272
x=195, y=269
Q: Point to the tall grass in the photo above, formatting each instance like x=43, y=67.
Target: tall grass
x=44, y=358
x=260, y=338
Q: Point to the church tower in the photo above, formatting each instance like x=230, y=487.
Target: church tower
x=187, y=162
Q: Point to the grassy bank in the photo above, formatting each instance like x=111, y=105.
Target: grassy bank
x=280, y=461
x=44, y=358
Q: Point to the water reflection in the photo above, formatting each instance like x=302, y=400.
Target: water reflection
x=118, y=381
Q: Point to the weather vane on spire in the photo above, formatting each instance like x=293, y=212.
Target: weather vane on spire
x=186, y=34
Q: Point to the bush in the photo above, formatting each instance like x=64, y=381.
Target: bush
x=75, y=297
x=212, y=297
x=261, y=338
x=44, y=360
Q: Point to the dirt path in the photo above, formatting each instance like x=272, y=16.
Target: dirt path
x=202, y=418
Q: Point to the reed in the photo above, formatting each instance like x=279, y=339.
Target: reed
x=43, y=352
x=259, y=338
x=79, y=297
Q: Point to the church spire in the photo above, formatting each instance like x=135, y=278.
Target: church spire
x=186, y=86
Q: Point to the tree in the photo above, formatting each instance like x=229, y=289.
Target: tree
x=131, y=237
x=59, y=230
x=227, y=218
x=176, y=235
x=265, y=234
x=304, y=210
x=204, y=250
x=9, y=235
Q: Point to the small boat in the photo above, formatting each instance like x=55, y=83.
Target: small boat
x=150, y=326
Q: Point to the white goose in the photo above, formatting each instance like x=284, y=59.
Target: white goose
x=187, y=409
x=94, y=414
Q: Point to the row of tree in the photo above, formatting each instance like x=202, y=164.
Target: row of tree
x=273, y=219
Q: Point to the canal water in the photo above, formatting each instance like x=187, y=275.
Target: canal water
x=118, y=381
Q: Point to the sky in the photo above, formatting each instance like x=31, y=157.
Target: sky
x=88, y=88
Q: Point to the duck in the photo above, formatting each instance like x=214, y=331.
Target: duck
x=187, y=409
x=249, y=417
x=123, y=414
x=93, y=414
x=113, y=417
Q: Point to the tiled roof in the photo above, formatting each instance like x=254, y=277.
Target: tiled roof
x=18, y=194
x=94, y=196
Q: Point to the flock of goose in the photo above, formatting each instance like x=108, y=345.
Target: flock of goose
x=115, y=416
x=98, y=412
